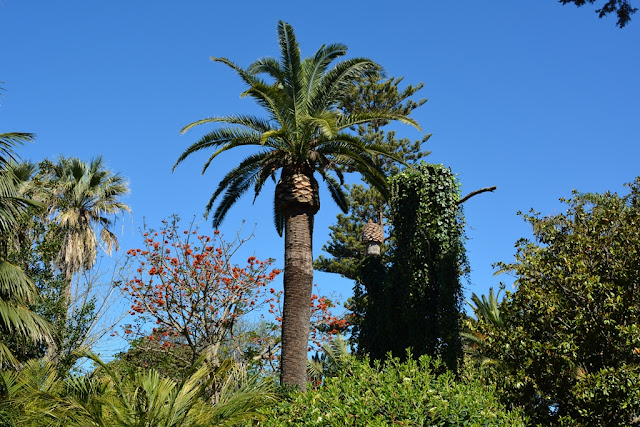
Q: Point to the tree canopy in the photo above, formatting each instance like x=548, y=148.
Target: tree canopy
x=622, y=8
x=567, y=345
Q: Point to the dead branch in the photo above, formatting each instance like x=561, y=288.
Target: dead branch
x=475, y=193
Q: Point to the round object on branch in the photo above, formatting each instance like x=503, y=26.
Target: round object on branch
x=373, y=237
x=372, y=233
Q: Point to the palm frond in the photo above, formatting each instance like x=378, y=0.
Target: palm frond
x=290, y=52
x=278, y=220
x=15, y=283
x=337, y=194
x=18, y=320
x=225, y=138
x=251, y=122
x=325, y=121
x=249, y=78
x=353, y=119
x=249, y=168
x=8, y=142
x=316, y=67
x=235, y=184
x=487, y=308
x=333, y=83
x=269, y=66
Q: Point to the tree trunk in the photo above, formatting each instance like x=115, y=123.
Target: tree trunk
x=298, y=282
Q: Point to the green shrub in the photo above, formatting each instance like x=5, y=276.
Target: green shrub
x=412, y=393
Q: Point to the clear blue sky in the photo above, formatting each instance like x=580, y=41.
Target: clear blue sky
x=531, y=96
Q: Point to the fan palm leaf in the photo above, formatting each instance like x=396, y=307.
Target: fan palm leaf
x=87, y=195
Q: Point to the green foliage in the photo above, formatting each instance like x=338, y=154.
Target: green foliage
x=304, y=132
x=38, y=396
x=569, y=347
x=412, y=393
x=171, y=361
x=487, y=312
x=371, y=93
x=17, y=291
x=418, y=304
x=622, y=8
x=34, y=248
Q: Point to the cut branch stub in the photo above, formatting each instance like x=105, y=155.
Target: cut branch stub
x=373, y=237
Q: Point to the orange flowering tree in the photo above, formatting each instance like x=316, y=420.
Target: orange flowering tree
x=201, y=302
x=188, y=283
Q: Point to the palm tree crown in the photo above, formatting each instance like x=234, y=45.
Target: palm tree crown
x=85, y=195
x=303, y=132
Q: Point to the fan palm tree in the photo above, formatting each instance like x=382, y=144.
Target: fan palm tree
x=16, y=290
x=86, y=195
x=303, y=133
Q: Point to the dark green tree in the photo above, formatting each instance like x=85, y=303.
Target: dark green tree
x=372, y=93
x=303, y=133
x=622, y=8
x=366, y=204
x=568, y=341
x=418, y=302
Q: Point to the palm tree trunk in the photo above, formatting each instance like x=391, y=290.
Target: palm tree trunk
x=298, y=282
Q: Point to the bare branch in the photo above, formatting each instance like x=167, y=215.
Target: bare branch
x=475, y=193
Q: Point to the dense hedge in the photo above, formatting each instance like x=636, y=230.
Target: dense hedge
x=411, y=393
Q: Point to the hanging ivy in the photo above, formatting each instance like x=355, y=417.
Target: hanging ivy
x=416, y=301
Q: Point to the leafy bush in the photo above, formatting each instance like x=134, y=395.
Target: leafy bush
x=567, y=347
x=412, y=393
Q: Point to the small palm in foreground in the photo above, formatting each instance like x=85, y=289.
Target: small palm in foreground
x=334, y=355
x=303, y=133
x=37, y=396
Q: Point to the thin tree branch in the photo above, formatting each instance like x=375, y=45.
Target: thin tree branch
x=475, y=193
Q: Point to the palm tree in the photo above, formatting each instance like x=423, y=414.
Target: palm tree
x=86, y=195
x=38, y=396
x=303, y=133
x=487, y=312
x=16, y=289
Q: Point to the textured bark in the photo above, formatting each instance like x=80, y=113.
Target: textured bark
x=298, y=282
x=297, y=190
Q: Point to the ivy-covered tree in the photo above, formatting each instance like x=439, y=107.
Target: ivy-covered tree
x=417, y=302
x=346, y=246
x=568, y=342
